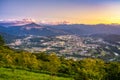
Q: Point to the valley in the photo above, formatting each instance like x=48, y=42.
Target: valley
x=76, y=41
x=70, y=46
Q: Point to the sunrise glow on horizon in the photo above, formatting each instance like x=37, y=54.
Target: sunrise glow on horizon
x=72, y=11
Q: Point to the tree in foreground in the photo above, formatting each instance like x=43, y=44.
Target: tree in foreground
x=1, y=40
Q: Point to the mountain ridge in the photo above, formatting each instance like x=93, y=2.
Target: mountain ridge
x=62, y=29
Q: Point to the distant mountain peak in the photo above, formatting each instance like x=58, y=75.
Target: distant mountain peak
x=32, y=25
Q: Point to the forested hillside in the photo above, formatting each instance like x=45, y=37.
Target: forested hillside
x=86, y=69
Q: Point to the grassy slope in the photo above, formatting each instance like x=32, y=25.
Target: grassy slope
x=8, y=74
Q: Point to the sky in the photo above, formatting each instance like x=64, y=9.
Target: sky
x=72, y=11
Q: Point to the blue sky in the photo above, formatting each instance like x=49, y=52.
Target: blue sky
x=73, y=11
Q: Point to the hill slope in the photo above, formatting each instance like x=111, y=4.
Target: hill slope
x=9, y=74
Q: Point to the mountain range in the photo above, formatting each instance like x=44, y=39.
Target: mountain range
x=61, y=29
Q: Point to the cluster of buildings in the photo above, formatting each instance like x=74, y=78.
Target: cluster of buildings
x=71, y=46
x=64, y=44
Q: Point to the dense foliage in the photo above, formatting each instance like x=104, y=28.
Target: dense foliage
x=1, y=40
x=86, y=69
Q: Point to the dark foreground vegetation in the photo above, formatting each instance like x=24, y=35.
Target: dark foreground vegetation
x=86, y=69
